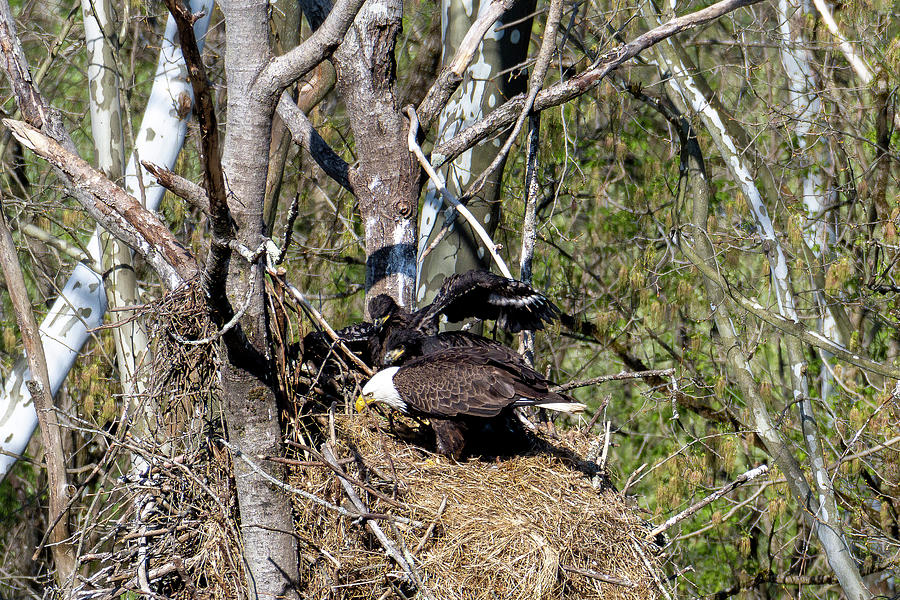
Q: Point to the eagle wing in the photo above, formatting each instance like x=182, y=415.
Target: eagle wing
x=482, y=295
x=474, y=381
x=317, y=344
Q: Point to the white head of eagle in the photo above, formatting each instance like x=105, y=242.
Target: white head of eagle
x=381, y=389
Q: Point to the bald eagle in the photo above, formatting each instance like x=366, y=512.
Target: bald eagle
x=405, y=345
x=463, y=392
x=406, y=335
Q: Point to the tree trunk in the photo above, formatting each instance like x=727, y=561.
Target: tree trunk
x=270, y=549
x=388, y=175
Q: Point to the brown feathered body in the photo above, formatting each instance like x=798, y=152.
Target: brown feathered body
x=465, y=392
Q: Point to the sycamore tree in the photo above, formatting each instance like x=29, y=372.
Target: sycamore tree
x=709, y=187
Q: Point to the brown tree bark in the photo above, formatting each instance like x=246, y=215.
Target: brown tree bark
x=388, y=177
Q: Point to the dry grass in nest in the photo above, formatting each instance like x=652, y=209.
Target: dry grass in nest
x=182, y=375
x=523, y=527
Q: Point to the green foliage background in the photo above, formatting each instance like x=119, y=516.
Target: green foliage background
x=609, y=210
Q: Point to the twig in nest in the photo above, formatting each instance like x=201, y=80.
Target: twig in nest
x=431, y=526
x=231, y=322
x=316, y=316
x=597, y=575
x=341, y=473
x=386, y=543
x=313, y=498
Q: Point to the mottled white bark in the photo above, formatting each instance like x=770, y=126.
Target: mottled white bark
x=109, y=147
x=813, y=159
x=82, y=304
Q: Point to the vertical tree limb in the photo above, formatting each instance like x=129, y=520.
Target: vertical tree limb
x=51, y=433
x=529, y=223
x=268, y=545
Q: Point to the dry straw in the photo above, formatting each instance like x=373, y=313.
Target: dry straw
x=523, y=527
x=528, y=527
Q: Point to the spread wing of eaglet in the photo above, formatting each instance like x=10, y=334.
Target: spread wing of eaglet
x=466, y=393
x=514, y=305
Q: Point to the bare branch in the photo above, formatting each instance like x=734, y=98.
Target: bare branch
x=535, y=83
x=506, y=114
x=39, y=387
x=445, y=193
x=652, y=374
x=288, y=68
x=741, y=480
x=794, y=328
x=452, y=75
x=216, y=270
x=183, y=188
x=112, y=207
x=308, y=138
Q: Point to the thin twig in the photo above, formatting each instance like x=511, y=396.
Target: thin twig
x=312, y=498
x=598, y=576
x=741, y=480
x=614, y=377
x=431, y=526
x=445, y=193
x=42, y=399
x=535, y=83
x=316, y=316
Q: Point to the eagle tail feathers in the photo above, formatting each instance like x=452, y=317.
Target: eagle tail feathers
x=566, y=407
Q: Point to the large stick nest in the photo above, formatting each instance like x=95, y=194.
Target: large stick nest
x=539, y=525
x=531, y=526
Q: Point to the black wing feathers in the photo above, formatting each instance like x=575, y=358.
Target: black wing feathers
x=482, y=295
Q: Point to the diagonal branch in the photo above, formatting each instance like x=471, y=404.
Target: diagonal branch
x=452, y=75
x=535, y=83
x=445, y=193
x=185, y=189
x=40, y=388
x=291, y=66
x=561, y=93
x=35, y=110
x=216, y=271
x=306, y=136
x=741, y=480
x=112, y=207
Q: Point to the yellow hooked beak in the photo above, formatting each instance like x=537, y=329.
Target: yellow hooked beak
x=392, y=356
x=380, y=321
x=362, y=402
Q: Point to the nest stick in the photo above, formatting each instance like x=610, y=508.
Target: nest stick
x=343, y=474
x=431, y=526
x=316, y=316
x=386, y=543
x=598, y=576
